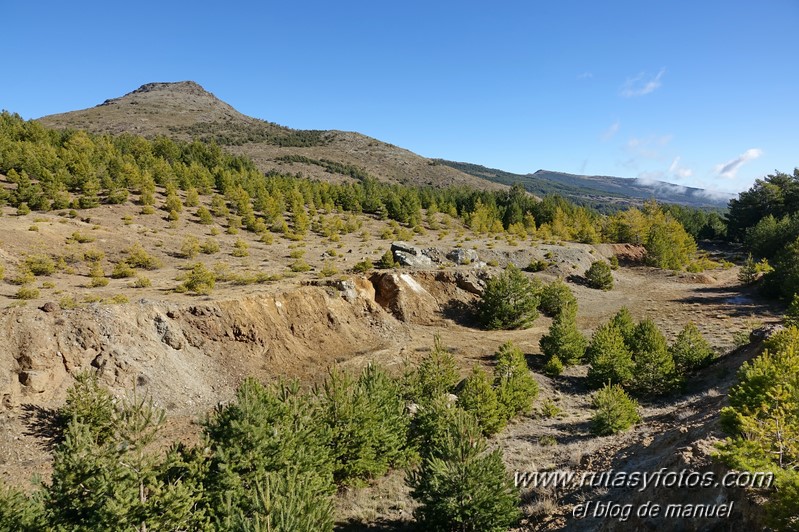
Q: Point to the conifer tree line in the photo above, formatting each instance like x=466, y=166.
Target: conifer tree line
x=762, y=421
x=53, y=169
x=274, y=457
x=765, y=219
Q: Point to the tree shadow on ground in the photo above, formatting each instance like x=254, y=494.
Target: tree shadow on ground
x=464, y=314
x=380, y=525
x=736, y=303
x=44, y=424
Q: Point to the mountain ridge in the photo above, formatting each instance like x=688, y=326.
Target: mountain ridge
x=187, y=111
x=184, y=110
x=596, y=190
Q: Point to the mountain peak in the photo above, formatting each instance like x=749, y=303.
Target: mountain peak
x=189, y=87
x=186, y=93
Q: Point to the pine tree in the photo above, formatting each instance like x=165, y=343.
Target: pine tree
x=690, y=350
x=557, y=297
x=104, y=476
x=655, y=372
x=791, y=318
x=266, y=432
x=615, y=411
x=624, y=322
x=436, y=375
x=460, y=485
x=748, y=273
x=763, y=422
x=564, y=340
x=516, y=387
x=599, y=275
x=610, y=359
x=367, y=424
x=479, y=398
x=510, y=301
x=21, y=513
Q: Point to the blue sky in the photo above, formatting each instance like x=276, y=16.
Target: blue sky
x=698, y=93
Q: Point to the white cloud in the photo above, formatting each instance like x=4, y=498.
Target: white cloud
x=679, y=172
x=730, y=169
x=642, y=84
x=585, y=75
x=610, y=132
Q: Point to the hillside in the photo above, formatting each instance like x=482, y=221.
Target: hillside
x=182, y=292
x=184, y=110
x=598, y=191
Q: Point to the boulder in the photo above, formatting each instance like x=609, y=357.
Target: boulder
x=413, y=261
x=405, y=298
x=470, y=282
x=409, y=255
x=463, y=256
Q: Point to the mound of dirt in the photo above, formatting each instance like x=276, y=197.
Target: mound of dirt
x=188, y=356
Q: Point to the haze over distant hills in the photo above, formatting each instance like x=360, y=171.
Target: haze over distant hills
x=599, y=191
x=186, y=111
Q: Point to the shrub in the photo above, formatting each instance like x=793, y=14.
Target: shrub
x=241, y=248
x=516, y=387
x=460, y=485
x=791, y=318
x=549, y=409
x=23, y=209
x=478, y=397
x=615, y=411
x=614, y=262
x=142, y=282
x=27, y=292
x=209, y=246
x=67, y=303
x=200, y=280
x=139, y=258
x=655, y=372
x=81, y=238
x=537, y=265
x=122, y=270
x=564, y=340
x=24, y=276
x=97, y=275
x=40, y=264
x=599, y=275
x=328, y=269
x=363, y=266
x=610, y=358
x=690, y=350
x=509, y=301
x=93, y=255
x=557, y=297
x=299, y=266
x=190, y=247
x=204, y=215
x=387, y=261
x=553, y=367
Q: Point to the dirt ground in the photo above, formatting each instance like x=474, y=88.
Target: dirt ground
x=277, y=328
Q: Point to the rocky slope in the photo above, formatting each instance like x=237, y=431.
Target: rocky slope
x=186, y=111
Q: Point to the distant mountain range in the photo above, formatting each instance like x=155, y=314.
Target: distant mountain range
x=184, y=110
x=598, y=191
